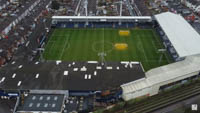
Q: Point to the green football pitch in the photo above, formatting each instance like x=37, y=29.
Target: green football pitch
x=99, y=44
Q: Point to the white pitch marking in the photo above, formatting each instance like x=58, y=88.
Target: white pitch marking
x=142, y=48
x=66, y=42
x=92, y=62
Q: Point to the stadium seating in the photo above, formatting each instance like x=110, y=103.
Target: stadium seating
x=102, y=25
x=167, y=44
x=81, y=25
x=90, y=25
x=131, y=25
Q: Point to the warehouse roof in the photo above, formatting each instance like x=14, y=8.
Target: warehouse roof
x=182, y=35
x=174, y=71
x=59, y=75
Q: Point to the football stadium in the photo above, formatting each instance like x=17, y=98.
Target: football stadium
x=127, y=56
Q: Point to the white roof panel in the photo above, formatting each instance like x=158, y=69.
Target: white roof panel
x=182, y=35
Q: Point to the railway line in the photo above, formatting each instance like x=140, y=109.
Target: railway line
x=163, y=99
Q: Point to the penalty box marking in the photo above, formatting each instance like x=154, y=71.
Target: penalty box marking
x=142, y=49
x=156, y=37
x=53, y=42
x=66, y=43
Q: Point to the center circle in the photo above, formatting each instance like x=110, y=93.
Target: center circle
x=102, y=46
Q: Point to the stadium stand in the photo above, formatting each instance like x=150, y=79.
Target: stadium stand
x=160, y=76
x=176, y=38
x=101, y=21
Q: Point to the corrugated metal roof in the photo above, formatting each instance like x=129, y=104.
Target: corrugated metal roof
x=102, y=17
x=182, y=35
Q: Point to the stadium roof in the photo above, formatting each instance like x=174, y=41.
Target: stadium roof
x=102, y=17
x=182, y=35
x=172, y=72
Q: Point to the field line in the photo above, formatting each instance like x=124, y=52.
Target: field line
x=156, y=37
x=66, y=42
x=143, y=50
x=167, y=58
x=154, y=46
x=51, y=46
x=50, y=41
x=161, y=45
x=59, y=35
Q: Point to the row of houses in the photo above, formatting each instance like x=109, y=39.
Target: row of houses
x=192, y=4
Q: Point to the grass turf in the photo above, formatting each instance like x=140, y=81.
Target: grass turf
x=85, y=44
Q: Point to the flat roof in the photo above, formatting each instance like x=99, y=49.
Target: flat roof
x=102, y=17
x=42, y=102
x=67, y=75
x=182, y=35
x=171, y=72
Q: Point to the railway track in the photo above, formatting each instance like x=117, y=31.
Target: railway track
x=165, y=99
